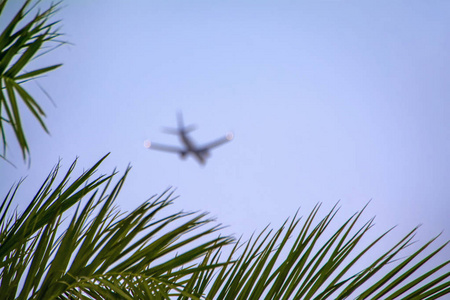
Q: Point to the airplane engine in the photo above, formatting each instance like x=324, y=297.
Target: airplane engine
x=183, y=155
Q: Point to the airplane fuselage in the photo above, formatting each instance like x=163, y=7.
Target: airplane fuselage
x=191, y=148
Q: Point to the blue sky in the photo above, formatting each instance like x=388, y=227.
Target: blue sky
x=328, y=100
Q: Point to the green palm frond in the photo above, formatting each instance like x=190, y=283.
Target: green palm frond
x=18, y=46
x=99, y=253
x=319, y=264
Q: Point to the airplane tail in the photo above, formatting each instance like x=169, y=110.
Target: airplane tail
x=181, y=128
x=169, y=130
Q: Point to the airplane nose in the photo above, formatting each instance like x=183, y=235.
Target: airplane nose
x=229, y=136
x=147, y=144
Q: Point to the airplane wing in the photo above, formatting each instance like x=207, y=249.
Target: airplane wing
x=155, y=146
x=228, y=137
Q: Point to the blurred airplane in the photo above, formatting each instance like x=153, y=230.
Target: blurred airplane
x=201, y=153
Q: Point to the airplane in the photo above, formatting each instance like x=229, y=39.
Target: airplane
x=201, y=153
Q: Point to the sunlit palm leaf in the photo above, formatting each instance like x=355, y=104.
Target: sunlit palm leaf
x=318, y=265
x=17, y=48
x=99, y=252
x=103, y=254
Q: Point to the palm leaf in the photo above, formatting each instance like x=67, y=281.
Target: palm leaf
x=18, y=46
x=104, y=254
x=319, y=265
x=100, y=252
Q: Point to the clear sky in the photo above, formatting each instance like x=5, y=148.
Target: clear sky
x=328, y=101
